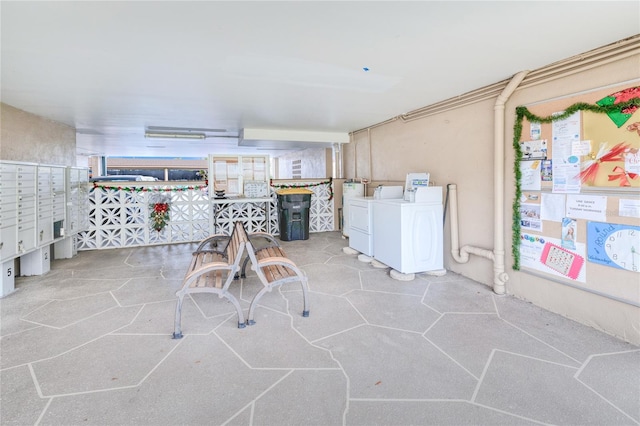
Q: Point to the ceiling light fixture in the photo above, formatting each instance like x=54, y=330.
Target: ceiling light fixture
x=158, y=135
x=182, y=129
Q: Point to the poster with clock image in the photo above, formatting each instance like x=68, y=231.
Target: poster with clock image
x=615, y=245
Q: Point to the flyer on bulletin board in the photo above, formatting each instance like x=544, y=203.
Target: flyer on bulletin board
x=552, y=207
x=565, y=169
x=566, y=164
x=569, y=228
x=534, y=150
x=546, y=171
x=530, y=217
x=531, y=177
x=547, y=255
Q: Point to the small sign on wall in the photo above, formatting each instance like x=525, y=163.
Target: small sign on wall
x=589, y=207
x=255, y=189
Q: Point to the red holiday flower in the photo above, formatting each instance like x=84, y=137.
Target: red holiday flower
x=159, y=216
x=160, y=207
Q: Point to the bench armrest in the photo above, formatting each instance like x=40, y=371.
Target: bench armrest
x=264, y=235
x=213, y=239
x=208, y=267
x=200, y=251
x=277, y=261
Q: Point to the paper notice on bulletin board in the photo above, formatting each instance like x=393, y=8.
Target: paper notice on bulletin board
x=534, y=254
x=588, y=207
x=535, y=149
x=530, y=217
x=632, y=162
x=535, y=130
x=565, y=169
x=552, y=207
x=629, y=207
x=567, y=129
x=566, y=164
x=531, y=176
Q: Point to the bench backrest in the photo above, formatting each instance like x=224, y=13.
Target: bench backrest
x=237, y=242
x=254, y=261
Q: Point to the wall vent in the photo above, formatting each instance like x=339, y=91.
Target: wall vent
x=296, y=169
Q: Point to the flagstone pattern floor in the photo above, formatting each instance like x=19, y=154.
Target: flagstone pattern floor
x=89, y=343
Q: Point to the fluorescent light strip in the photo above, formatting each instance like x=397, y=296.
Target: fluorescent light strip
x=174, y=135
x=182, y=129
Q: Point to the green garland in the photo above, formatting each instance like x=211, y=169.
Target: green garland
x=306, y=185
x=149, y=189
x=522, y=113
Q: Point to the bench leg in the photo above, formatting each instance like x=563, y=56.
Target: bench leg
x=177, y=332
x=254, y=302
x=305, y=299
x=244, y=267
x=232, y=299
x=256, y=299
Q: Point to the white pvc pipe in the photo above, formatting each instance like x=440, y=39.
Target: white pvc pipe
x=338, y=158
x=461, y=255
x=499, y=276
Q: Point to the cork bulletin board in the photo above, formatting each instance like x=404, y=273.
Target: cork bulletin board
x=577, y=208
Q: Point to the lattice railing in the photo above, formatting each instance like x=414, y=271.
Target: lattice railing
x=120, y=217
x=253, y=214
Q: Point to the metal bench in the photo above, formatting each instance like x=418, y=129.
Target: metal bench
x=273, y=268
x=214, y=265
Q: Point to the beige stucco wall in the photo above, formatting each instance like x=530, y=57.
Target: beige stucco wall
x=457, y=147
x=27, y=137
x=454, y=147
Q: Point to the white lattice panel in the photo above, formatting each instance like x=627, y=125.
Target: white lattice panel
x=253, y=214
x=320, y=211
x=120, y=218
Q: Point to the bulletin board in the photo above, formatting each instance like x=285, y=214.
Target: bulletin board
x=576, y=213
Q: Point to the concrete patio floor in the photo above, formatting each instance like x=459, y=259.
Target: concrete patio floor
x=89, y=343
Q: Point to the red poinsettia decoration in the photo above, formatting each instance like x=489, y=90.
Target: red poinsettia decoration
x=159, y=216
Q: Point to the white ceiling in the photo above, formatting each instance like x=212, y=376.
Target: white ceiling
x=112, y=69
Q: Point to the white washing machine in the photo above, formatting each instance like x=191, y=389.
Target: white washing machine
x=360, y=222
x=361, y=218
x=408, y=236
x=349, y=190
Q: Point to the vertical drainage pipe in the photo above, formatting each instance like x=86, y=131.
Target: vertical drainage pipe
x=499, y=276
x=498, y=254
x=338, y=159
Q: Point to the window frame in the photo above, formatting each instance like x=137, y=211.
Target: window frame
x=241, y=175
